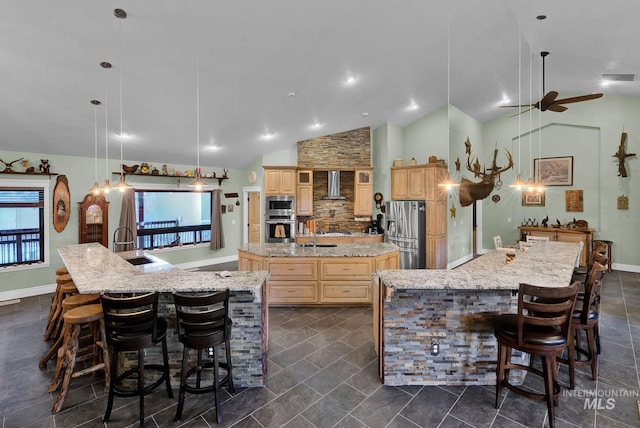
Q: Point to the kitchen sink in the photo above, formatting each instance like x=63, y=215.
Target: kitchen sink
x=319, y=245
x=139, y=261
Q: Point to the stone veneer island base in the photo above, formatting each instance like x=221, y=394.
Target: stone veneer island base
x=421, y=313
x=94, y=269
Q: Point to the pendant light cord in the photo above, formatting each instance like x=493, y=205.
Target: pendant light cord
x=197, y=103
x=95, y=143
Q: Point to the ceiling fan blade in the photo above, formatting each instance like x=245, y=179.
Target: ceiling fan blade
x=547, y=100
x=578, y=99
x=516, y=106
x=522, y=112
x=556, y=107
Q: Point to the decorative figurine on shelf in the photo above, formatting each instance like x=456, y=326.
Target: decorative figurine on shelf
x=155, y=171
x=225, y=173
x=622, y=155
x=558, y=224
x=213, y=174
x=165, y=171
x=30, y=170
x=7, y=165
x=44, y=166
x=545, y=221
x=144, y=168
x=172, y=172
x=25, y=163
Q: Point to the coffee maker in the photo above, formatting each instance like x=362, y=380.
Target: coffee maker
x=376, y=225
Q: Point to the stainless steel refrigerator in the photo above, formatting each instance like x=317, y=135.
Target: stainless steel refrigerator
x=406, y=229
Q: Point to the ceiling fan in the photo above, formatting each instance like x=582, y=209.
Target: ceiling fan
x=549, y=102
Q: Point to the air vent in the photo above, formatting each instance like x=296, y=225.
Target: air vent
x=619, y=77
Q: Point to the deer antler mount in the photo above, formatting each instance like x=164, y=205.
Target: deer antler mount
x=472, y=191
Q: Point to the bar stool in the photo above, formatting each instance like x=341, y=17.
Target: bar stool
x=64, y=288
x=536, y=329
x=62, y=271
x=71, y=352
x=609, y=248
x=204, y=325
x=132, y=324
x=70, y=302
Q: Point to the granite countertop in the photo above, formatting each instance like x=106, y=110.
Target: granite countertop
x=95, y=269
x=371, y=249
x=330, y=234
x=544, y=264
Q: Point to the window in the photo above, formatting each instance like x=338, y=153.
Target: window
x=170, y=218
x=24, y=228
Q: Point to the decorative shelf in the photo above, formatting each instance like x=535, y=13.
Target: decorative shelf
x=220, y=179
x=50, y=174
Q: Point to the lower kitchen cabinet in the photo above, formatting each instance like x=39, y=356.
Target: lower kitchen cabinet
x=286, y=292
x=345, y=291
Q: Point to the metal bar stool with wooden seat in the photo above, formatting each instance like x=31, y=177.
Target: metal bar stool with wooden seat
x=72, y=352
x=132, y=324
x=204, y=325
x=536, y=329
x=69, y=303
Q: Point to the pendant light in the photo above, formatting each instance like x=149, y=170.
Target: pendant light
x=95, y=190
x=198, y=183
x=122, y=184
x=448, y=183
x=106, y=187
x=519, y=183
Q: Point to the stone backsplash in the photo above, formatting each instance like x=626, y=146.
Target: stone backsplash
x=343, y=150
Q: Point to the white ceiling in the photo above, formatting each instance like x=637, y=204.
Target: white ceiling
x=253, y=53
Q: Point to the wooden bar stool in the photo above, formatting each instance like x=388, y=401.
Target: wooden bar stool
x=62, y=271
x=609, y=248
x=64, y=288
x=69, y=303
x=71, y=352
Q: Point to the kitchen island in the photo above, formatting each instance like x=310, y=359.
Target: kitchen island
x=325, y=274
x=433, y=327
x=94, y=269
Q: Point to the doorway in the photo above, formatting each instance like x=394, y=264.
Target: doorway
x=252, y=229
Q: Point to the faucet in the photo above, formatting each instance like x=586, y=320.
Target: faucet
x=315, y=236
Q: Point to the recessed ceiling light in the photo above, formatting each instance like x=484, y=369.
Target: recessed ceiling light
x=365, y=114
x=212, y=148
x=316, y=125
x=413, y=106
x=351, y=80
x=291, y=94
x=605, y=82
x=268, y=136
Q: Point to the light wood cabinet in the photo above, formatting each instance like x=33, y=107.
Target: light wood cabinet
x=420, y=182
x=94, y=219
x=363, y=192
x=279, y=180
x=318, y=280
x=563, y=235
x=304, y=194
x=408, y=183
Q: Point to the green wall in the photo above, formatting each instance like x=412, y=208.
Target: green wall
x=81, y=176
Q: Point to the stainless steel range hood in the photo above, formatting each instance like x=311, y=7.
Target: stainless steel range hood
x=333, y=179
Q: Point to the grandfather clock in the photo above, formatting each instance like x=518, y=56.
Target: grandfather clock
x=94, y=219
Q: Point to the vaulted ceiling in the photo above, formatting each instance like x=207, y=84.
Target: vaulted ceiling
x=271, y=73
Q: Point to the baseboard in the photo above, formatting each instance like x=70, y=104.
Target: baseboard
x=625, y=268
x=27, y=292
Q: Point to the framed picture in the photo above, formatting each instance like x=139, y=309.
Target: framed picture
x=554, y=171
x=574, y=200
x=533, y=199
x=61, y=203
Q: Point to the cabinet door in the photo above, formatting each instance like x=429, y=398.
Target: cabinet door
x=304, y=196
x=272, y=179
x=399, y=179
x=346, y=291
x=415, y=183
x=576, y=238
x=363, y=204
x=288, y=182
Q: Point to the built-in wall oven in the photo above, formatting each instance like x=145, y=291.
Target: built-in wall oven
x=280, y=219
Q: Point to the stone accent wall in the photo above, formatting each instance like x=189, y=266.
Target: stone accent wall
x=347, y=150
x=459, y=320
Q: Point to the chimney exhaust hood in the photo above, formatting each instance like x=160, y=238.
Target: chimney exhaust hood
x=333, y=179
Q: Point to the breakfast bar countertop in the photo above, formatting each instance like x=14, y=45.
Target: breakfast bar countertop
x=369, y=249
x=544, y=264
x=95, y=269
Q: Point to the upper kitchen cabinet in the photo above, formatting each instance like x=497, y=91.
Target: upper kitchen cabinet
x=363, y=192
x=304, y=195
x=408, y=183
x=280, y=180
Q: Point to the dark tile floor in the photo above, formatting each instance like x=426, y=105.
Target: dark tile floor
x=322, y=373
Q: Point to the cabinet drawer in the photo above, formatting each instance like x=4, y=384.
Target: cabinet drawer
x=284, y=292
x=345, y=268
x=291, y=269
x=346, y=291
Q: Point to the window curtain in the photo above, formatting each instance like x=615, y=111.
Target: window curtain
x=217, y=235
x=127, y=231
